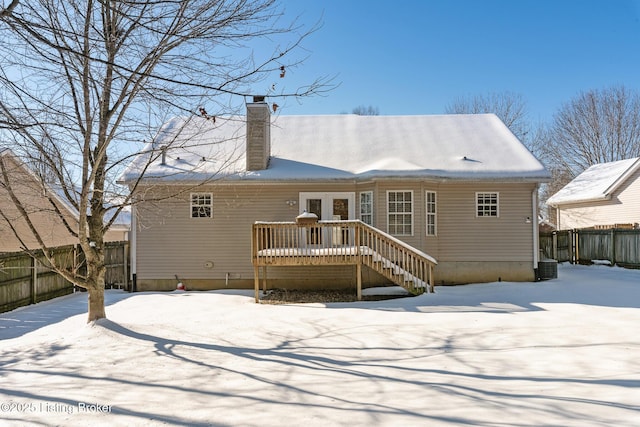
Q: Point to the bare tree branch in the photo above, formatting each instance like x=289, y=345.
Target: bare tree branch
x=85, y=83
x=596, y=126
x=510, y=107
x=7, y=11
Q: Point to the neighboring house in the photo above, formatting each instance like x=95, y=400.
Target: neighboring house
x=461, y=188
x=605, y=194
x=43, y=205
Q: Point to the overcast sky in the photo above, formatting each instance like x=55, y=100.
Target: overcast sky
x=415, y=57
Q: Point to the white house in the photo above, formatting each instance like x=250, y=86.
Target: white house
x=605, y=194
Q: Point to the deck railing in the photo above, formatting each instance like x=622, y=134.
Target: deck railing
x=394, y=258
x=349, y=242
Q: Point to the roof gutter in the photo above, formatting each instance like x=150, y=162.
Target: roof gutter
x=235, y=179
x=622, y=178
x=578, y=201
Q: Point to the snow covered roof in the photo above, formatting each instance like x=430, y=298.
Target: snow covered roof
x=596, y=183
x=57, y=193
x=478, y=147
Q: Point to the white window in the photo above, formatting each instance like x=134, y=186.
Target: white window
x=400, y=212
x=431, y=212
x=201, y=205
x=366, y=207
x=487, y=204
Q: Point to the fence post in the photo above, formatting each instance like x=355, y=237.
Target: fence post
x=125, y=262
x=34, y=281
x=571, y=244
x=613, y=246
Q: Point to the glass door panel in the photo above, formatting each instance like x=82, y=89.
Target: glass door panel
x=314, y=236
x=340, y=235
x=315, y=206
x=340, y=209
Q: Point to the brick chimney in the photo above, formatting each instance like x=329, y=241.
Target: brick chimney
x=258, y=134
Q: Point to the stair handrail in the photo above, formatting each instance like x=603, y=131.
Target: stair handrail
x=398, y=242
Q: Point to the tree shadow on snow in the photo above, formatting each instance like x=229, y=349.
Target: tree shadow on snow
x=30, y=318
x=576, y=284
x=266, y=368
x=391, y=372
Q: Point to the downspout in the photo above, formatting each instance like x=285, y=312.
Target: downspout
x=133, y=253
x=535, y=231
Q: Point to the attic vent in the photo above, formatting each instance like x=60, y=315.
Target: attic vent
x=469, y=159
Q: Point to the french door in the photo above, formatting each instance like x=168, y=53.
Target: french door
x=329, y=206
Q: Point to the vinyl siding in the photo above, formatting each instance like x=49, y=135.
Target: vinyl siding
x=171, y=243
x=622, y=208
x=461, y=236
x=465, y=237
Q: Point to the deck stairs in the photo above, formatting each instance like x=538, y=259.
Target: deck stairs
x=398, y=275
x=397, y=261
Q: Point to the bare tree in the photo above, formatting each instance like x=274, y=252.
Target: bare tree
x=508, y=106
x=85, y=83
x=596, y=126
x=362, y=110
x=511, y=108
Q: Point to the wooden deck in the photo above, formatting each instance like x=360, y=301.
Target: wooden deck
x=340, y=243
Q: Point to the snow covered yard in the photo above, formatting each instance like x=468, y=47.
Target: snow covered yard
x=564, y=352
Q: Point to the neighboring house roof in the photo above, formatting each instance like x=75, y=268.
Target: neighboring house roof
x=477, y=147
x=56, y=195
x=123, y=220
x=596, y=183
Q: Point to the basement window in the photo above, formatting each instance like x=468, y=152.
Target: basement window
x=487, y=204
x=201, y=205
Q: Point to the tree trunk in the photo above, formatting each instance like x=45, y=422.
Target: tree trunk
x=96, y=304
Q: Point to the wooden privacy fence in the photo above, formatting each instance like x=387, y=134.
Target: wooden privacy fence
x=618, y=246
x=26, y=280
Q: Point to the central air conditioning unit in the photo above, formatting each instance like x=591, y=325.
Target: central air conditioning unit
x=548, y=269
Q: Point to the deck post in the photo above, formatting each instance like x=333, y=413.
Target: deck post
x=256, y=281
x=359, y=280
x=431, y=290
x=264, y=278
x=358, y=263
